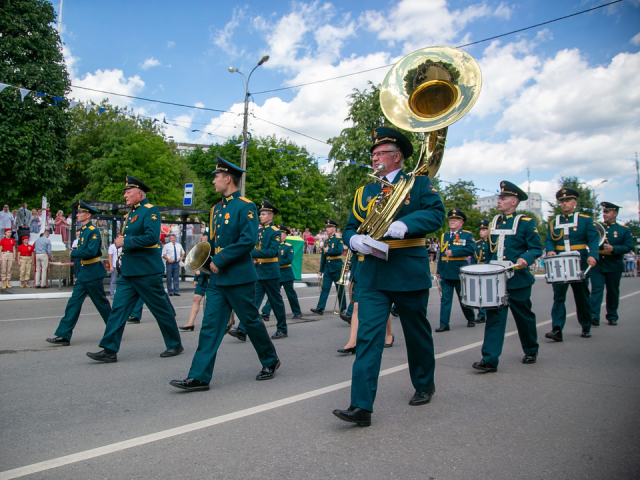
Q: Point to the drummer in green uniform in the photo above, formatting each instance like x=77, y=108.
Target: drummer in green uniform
x=141, y=276
x=330, y=268
x=233, y=236
x=515, y=239
x=88, y=280
x=455, y=246
x=285, y=257
x=575, y=232
x=482, y=256
x=608, y=271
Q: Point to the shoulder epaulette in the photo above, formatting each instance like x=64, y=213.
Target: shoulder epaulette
x=526, y=219
x=288, y=244
x=584, y=216
x=622, y=225
x=245, y=199
x=275, y=228
x=91, y=227
x=467, y=231
x=148, y=205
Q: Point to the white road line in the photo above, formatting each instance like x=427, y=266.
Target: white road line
x=172, y=432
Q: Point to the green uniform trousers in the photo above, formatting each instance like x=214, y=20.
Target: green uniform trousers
x=137, y=311
x=329, y=279
x=272, y=288
x=520, y=306
x=446, y=302
x=95, y=290
x=374, y=307
x=482, y=314
x=598, y=282
x=292, y=296
x=220, y=302
x=151, y=290
x=581, y=297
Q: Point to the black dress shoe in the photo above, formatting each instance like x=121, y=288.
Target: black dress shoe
x=176, y=294
x=394, y=312
x=318, y=311
x=442, y=329
x=265, y=317
x=187, y=329
x=528, y=359
x=354, y=415
x=595, y=322
x=190, y=384
x=481, y=320
x=234, y=332
x=471, y=324
x=422, y=398
x=389, y=345
x=171, y=294
x=613, y=322
x=278, y=335
x=345, y=317
x=103, y=356
x=554, y=335
x=585, y=334
x=172, y=352
x=133, y=320
x=267, y=373
x=484, y=367
x=297, y=317
x=59, y=341
x=347, y=351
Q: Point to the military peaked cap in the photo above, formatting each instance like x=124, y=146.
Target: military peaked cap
x=83, y=207
x=225, y=166
x=566, y=192
x=455, y=213
x=284, y=229
x=133, y=182
x=610, y=205
x=266, y=206
x=483, y=224
x=330, y=223
x=383, y=135
x=508, y=188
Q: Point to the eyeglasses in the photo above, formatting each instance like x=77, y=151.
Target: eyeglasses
x=378, y=154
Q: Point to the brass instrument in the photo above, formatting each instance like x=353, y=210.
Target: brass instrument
x=426, y=91
x=197, y=257
x=602, y=232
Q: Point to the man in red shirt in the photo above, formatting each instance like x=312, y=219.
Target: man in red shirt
x=8, y=247
x=26, y=258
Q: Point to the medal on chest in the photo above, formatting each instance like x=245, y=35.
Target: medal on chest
x=226, y=218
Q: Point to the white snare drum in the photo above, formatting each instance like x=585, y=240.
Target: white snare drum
x=563, y=268
x=484, y=286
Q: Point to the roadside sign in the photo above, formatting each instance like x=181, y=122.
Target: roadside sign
x=188, y=195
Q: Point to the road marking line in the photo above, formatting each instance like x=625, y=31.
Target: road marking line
x=172, y=432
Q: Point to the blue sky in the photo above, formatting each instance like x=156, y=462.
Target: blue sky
x=563, y=99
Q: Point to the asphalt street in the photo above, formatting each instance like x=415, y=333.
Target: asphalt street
x=574, y=414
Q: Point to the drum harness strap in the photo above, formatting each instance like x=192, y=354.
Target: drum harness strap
x=565, y=227
x=499, y=244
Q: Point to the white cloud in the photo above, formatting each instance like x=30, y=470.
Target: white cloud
x=150, y=62
x=199, y=105
x=171, y=44
x=222, y=38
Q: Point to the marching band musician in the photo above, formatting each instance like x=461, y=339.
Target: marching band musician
x=514, y=238
x=482, y=255
x=608, y=271
x=455, y=246
x=571, y=231
x=331, y=268
x=233, y=234
x=383, y=283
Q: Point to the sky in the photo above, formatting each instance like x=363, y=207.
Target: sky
x=557, y=100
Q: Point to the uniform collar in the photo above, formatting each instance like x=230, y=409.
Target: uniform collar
x=144, y=201
x=231, y=197
x=453, y=233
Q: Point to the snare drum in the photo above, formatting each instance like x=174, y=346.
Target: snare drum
x=484, y=286
x=563, y=268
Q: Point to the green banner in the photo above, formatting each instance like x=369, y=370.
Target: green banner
x=298, y=249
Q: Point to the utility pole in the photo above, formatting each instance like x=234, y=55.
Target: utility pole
x=243, y=158
x=528, y=191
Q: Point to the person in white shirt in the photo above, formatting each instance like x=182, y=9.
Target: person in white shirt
x=114, y=253
x=6, y=218
x=173, y=253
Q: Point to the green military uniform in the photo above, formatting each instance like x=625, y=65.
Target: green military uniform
x=356, y=262
x=462, y=245
x=285, y=257
x=233, y=235
x=141, y=270
x=400, y=280
x=608, y=270
x=521, y=241
x=331, y=267
x=481, y=255
x=89, y=279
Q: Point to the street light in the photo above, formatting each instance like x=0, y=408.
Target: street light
x=593, y=192
x=243, y=160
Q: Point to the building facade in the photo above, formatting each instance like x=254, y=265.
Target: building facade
x=534, y=204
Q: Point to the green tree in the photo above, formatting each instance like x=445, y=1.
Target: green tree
x=586, y=200
x=33, y=132
x=461, y=195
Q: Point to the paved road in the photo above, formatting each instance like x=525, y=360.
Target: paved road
x=575, y=414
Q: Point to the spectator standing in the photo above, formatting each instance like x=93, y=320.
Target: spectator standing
x=23, y=221
x=165, y=229
x=42, y=250
x=34, y=226
x=189, y=228
x=60, y=224
x=173, y=253
x=6, y=218
x=8, y=247
x=25, y=261
x=114, y=253
x=14, y=215
x=310, y=242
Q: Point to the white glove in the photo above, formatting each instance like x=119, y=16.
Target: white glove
x=356, y=244
x=397, y=230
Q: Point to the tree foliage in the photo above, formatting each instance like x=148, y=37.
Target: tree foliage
x=461, y=195
x=586, y=201
x=33, y=132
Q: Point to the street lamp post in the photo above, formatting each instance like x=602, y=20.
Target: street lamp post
x=593, y=192
x=243, y=160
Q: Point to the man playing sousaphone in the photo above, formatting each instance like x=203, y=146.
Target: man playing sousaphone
x=399, y=280
x=573, y=232
x=514, y=239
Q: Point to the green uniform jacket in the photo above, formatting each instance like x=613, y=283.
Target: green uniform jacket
x=285, y=257
x=233, y=233
x=584, y=235
x=355, y=266
x=335, y=249
x=525, y=243
x=482, y=253
x=141, y=250
x=618, y=236
x=202, y=279
x=89, y=245
x=267, y=247
x=406, y=267
x=461, y=248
